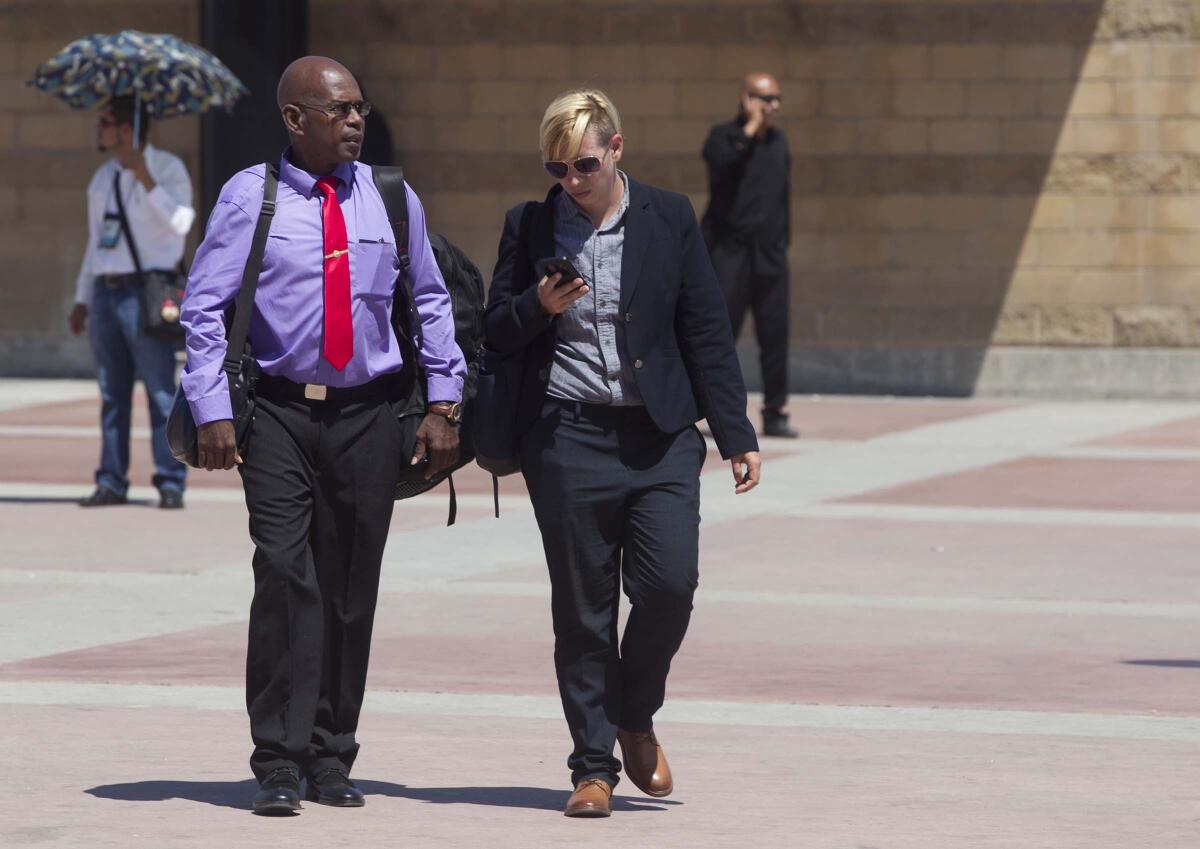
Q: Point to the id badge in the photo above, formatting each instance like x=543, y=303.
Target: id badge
x=110, y=231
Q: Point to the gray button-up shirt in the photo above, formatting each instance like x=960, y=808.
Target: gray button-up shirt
x=588, y=362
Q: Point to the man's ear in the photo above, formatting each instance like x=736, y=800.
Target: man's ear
x=293, y=118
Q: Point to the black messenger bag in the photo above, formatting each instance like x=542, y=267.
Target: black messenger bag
x=240, y=367
x=161, y=292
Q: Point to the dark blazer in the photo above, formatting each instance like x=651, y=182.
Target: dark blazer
x=677, y=334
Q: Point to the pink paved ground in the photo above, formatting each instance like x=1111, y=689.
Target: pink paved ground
x=954, y=612
x=1066, y=483
x=1184, y=433
x=834, y=789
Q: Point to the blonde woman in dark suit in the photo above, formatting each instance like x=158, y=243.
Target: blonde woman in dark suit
x=620, y=362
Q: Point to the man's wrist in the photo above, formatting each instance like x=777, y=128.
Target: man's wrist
x=449, y=410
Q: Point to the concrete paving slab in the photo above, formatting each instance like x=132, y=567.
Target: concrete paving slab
x=1183, y=433
x=1009, y=664
x=1165, y=486
x=799, y=788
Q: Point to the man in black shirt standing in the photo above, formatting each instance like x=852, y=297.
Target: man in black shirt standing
x=747, y=229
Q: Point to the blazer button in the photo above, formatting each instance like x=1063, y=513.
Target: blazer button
x=637, y=363
x=628, y=317
x=544, y=374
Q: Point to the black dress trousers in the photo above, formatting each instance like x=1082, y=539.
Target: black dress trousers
x=756, y=276
x=319, y=479
x=618, y=505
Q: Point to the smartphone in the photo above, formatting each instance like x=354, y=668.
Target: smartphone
x=557, y=264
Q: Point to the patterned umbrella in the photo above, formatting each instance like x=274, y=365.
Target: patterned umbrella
x=169, y=75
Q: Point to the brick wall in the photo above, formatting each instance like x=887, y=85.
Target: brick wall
x=966, y=174
x=50, y=155
x=972, y=179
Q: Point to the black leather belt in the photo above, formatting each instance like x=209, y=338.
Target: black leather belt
x=598, y=413
x=281, y=389
x=120, y=281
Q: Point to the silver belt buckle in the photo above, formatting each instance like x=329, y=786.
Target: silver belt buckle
x=315, y=391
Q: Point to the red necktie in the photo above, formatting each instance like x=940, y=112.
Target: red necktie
x=339, y=328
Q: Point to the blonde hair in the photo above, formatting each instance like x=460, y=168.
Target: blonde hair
x=573, y=115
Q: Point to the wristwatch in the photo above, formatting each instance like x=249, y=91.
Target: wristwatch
x=451, y=410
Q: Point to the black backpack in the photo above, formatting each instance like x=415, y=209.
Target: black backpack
x=465, y=285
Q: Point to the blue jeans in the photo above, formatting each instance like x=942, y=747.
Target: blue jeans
x=123, y=353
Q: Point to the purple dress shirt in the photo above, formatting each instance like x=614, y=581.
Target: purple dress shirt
x=286, y=329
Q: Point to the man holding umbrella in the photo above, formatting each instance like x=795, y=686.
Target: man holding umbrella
x=151, y=188
x=142, y=195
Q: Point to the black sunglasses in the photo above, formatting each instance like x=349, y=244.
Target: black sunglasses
x=584, y=165
x=767, y=98
x=341, y=108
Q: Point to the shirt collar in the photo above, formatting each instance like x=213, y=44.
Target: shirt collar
x=304, y=183
x=148, y=150
x=567, y=208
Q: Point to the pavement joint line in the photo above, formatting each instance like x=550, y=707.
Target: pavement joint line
x=233, y=494
x=1096, y=452
x=19, y=393
x=845, y=601
x=236, y=583
x=999, y=515
x=64, y=432
x=47, y=431
x=510, y=504
x=939, y=720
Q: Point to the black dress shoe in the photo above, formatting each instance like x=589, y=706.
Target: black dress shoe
x=334, y=787
x=777, y=425
x=279, y=793
x=103, y=497
x=170, y=499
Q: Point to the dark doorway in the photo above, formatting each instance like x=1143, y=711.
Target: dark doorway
x=256, y=39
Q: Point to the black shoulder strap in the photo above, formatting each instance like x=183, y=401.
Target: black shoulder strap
x=245, y=299
x=389, y=179
x=543, y=230
x=125, y=228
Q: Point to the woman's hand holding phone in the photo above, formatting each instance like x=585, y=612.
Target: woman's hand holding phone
x=555, y=296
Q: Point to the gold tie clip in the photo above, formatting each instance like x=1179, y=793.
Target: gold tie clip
x=336, y=254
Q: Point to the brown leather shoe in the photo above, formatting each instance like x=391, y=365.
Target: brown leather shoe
x=590, y=799
x=645, y=762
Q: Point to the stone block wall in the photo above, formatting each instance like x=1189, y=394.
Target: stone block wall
x=983, y=190
x=967, y=175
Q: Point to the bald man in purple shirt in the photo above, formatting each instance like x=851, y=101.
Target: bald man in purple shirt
x=324, y=451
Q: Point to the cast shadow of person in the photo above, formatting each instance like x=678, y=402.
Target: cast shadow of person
x=237, y=794
x=534, y=798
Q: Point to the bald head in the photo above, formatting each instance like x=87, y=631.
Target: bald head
x=760, y=82
x=321, y=105
x=311, y=79
x=761, y=101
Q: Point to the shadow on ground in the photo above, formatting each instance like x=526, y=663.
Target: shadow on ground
x=39, y=499
x=237, y=794
x=69, y=499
